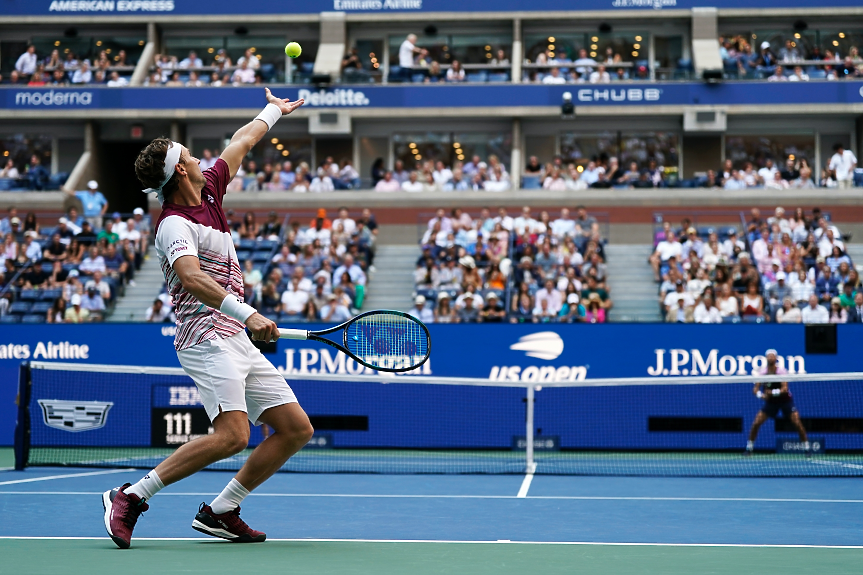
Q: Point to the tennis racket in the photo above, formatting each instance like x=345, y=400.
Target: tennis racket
x=383, y=340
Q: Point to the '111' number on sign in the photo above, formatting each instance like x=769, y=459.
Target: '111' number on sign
x=182, y=421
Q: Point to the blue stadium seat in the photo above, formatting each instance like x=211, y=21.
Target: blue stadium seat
x=51, y=294
x=47, y=268
x=6, y=184
x=41, y=307
x=817, y=74
x=266, y=244
x=247, y=244
x=418, y=78
x=752, y=319
x=498, y=77
x=30, y=294
x=476, y=77
x=285, y=318
x=731, y=319
x=20, y=307
x=33, y=319
x=261, y=256
x=244, y=255
x=10, y=319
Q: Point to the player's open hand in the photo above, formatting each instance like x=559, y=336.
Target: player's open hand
x=285, y=105
x=262, y=328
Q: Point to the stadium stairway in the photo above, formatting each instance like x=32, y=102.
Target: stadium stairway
x=391, y=284
x=855, y=252
x=148, y=283
x=630, y=278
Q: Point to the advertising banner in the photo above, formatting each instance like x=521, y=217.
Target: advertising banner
x=431, y=96
x=146, y=8
x=525, y=353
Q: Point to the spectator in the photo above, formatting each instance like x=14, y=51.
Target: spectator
x=335, y=311
x=57, y=312
x=778, y=75
x=406, y=53
x=27, y=62
x=157, y=313
x=37, y=174
x=421, y=312
x=444, y=312
x=243, y=75
x=100, y=285
x=468, y=312
x=31, y=249
x=842, y=165
x=11, y=172
x=665, y=249
x=56, y=250
x=789, y=312
x=726, y=302
x=455, y=72
x=388, y=184
x=492, y=311
x=94, y=203
x=594, y=313
x=412, y=184
x=855, y=312
x=191, y=61
x=92, y=263
x=83, y=75
x=554, y=77
x=706, y=312
x=751, y=302
x=75, y=313
x=799, y=75
x=583, y=64
x=814, y=313
x=837, y=313
x=572, y=311
x=600, y=76
x=117, y=81
x=94, y=304
x=295, y=301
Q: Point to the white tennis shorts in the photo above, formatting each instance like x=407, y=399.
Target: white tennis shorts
x=233, y=374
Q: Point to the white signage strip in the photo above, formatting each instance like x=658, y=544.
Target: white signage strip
x=474, y=381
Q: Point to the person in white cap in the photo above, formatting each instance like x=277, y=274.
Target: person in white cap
x=237, y=384
x=777, y=398
x=75, y=313
x=420, y=311
x=94, y=202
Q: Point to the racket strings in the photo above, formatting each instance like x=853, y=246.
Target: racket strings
x=388, y=340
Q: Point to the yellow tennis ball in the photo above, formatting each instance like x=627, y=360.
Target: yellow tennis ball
x=293, y=50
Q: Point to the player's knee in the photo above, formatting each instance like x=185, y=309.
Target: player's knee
x=304, y=433
x=235, y=442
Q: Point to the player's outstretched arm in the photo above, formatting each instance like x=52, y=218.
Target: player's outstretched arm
x=246, y=137
x=207, y=291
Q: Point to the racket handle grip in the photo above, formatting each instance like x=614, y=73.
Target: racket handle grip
x=293, y=333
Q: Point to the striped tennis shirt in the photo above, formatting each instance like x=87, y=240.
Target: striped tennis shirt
x=200, y=231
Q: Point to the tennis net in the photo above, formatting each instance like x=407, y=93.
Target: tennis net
x=132, y=416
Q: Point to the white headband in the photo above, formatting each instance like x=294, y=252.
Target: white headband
x=172, y=158
x=769, y=351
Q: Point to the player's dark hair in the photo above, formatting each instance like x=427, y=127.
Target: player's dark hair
x=150, y=167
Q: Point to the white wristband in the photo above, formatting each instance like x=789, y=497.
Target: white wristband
x=760, y=395
x=233, y=307
x=269, y=115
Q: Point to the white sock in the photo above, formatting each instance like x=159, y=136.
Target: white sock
x=149, y=485
x=806, y=446
x=230, y=497
x=750, y=446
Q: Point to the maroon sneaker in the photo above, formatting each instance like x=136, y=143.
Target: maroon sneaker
x=121, y=513
x=227, y=526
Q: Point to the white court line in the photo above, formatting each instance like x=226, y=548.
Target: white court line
x=407, y=496
x=50, y=477
x=525, y=484
x=450, y=542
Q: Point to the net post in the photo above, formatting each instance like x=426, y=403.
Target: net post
x=22, y=425
x=528, y=435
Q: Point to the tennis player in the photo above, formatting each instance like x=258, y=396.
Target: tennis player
x=236, y=382
x=777, y=398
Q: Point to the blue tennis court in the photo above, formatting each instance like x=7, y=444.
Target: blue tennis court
x=659, y=524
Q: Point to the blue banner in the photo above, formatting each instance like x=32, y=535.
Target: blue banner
x=431, y=96
x=149, y=8
x=522, y=352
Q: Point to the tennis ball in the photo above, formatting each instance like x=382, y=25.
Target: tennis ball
x=293, y=50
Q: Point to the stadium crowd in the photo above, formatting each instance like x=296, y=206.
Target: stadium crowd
x=71, y=272
x=783, y=268
x=304, y=270
x=496, y=268
x=745, y=57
